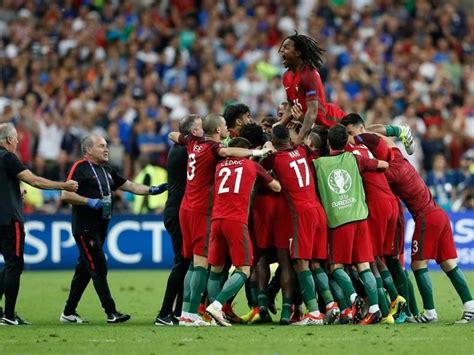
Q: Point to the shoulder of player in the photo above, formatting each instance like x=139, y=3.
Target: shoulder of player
x=292, y=152
x=192, y=139
x=309, y=69
x=286, y=74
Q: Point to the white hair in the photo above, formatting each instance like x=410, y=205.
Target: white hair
x=6, y=130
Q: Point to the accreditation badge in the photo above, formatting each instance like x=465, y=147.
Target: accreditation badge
x=107, y=207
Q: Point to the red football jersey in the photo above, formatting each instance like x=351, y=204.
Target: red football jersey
x=375, y=183
x=305, y=85
x=202, y=158
x=408, y=185
x=294, y=173
x=233, y=183
x=334, y=114
x=376, y=145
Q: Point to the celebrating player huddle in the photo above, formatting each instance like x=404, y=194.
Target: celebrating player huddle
x=321, y=196
x=334, y=226
x=314, y=191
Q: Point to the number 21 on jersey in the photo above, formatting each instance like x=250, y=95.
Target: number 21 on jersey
x=225, y=173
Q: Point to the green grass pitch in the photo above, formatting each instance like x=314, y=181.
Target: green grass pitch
x=140, y=293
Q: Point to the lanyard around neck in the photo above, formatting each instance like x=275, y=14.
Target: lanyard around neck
x=98, y=180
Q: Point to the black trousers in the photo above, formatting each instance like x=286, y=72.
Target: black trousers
x=91, y=264
x=174, y=286
x=12, y=245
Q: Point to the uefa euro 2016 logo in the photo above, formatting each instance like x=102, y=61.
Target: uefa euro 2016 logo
x=339, y=181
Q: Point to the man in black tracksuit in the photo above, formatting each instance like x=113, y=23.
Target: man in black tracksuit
x=176, y=166
x=12, y=233
x=91, y=213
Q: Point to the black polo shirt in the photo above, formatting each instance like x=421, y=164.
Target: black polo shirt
x=176, y=166
x=11, y=204
x=85, y=218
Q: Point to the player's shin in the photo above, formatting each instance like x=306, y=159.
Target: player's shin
x=460, y=284
x=370, y=285
x=412, y=303
x=399, y=277
x=339, y=296
x=308, y=290
x=321, y=282
x=388, y=284
x=213, y=285
x=187, y=288
x=425, y=287
x=232, y=286
x=382, y=298
x=344, y=282
x=198, y=285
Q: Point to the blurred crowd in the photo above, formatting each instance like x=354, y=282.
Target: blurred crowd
x=131, y=69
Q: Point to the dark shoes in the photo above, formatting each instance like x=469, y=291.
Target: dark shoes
x=117, y=317
x=169, y=320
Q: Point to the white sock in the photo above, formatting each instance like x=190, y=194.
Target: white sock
x=374, y=308
x=329, y=305
x=184, y=314
x=469, y=306
x=353, y=297
x=315, y=313
x=431, y=313
x=217, y=305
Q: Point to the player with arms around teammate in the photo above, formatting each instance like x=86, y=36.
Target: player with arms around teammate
x=233, y=183
x=308, y=239
x=341, y=189
x=432, y=237
x=382, y=221
x=12, y=233
x=194, y=215
x=91, y=213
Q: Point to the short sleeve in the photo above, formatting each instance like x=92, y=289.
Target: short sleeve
x=118, y=180
x=375, y=144
x=268, y=162
x=309, y=84
x=13, y=165
x=366, y=164
x=216, y=147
